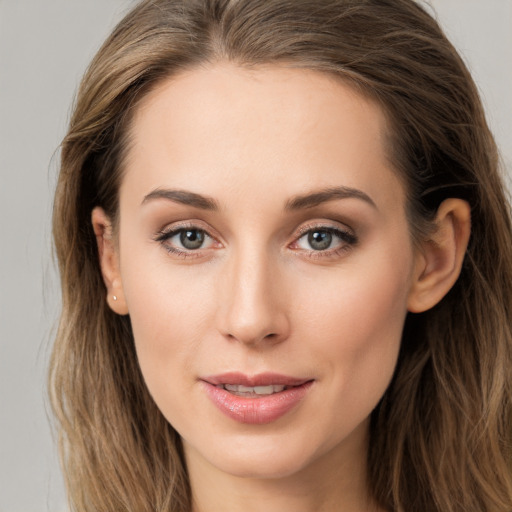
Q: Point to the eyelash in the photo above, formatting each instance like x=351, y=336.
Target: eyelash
x=346, y=238
x=167, y=234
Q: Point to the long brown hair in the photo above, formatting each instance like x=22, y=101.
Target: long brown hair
x=441, y=437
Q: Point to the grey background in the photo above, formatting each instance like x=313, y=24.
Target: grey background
x=45, y=46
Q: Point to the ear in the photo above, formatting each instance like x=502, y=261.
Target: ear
x=109, y=261
x=439, y=259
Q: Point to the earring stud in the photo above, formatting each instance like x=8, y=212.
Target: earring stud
x=114, y=297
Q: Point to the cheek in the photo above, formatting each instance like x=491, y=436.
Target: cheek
x=169, y=318
x=359, y=299
x=356, y=320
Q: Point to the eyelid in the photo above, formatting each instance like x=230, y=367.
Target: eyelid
x=171, y=230
x=345, y=234
x=332, y=226
x=193, y=224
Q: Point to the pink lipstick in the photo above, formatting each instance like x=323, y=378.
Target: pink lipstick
x=257, y=399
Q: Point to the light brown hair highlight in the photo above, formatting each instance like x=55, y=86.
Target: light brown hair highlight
x=441, y=438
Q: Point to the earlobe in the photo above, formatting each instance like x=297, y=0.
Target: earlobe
x=439, y=260
x=109, y=261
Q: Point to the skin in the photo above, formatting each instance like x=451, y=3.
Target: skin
x=257, y=296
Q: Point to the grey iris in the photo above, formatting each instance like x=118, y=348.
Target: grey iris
x=319, y=240
x=192, y=239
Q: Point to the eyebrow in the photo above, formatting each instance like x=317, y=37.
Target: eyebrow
x=295, y=203
x=183, y=197
x=327, y=194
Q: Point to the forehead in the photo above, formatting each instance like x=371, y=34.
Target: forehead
x=223, y=127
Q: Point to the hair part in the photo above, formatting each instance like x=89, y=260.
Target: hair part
x=440, y=438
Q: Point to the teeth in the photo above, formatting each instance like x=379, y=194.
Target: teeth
x=257, y=390
x=264, y=390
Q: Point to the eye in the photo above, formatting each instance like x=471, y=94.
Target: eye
x=325, y=239
x=185, y=240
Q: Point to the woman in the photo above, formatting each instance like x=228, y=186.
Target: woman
x=285, y=253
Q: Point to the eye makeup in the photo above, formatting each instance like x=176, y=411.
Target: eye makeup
x=318, y=240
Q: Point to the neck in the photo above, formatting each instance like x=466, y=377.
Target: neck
x=335, y=481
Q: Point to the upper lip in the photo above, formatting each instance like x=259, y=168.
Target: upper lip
x=261, y=379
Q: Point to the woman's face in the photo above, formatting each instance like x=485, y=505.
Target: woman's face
x=263, y=243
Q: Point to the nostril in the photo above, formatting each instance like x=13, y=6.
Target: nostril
x=252, y=321
x=254, y=338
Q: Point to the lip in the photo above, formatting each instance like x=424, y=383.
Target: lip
x=258, y=410
x=261, y=379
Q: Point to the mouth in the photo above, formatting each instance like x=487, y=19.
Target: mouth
x=253, y=391
x=258, y=399
x=263, y=384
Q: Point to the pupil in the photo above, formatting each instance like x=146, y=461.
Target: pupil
x=319, y=240
x=192, y=239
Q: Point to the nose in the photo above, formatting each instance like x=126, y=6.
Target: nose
x=253, y=307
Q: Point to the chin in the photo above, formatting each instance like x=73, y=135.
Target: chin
x=274, y=465
x=264, y=456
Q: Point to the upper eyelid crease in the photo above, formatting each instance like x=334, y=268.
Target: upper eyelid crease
x=328, y=226
x=302, y=231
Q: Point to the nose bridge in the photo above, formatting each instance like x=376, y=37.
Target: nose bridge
x=252, y=306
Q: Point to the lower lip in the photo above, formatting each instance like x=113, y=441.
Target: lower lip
x=260, y=410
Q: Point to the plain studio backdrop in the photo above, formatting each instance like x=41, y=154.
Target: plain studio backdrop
x=45, y=46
